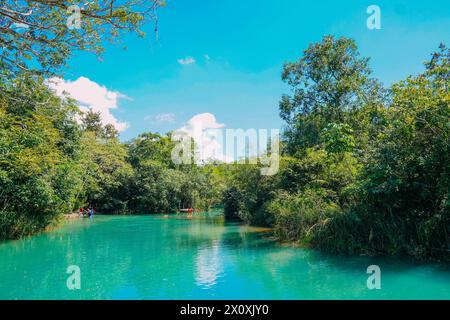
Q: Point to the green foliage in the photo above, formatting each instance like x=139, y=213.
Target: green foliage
x=151, y=147
x=300, y=217
x=247, y=193
x=159, y=185
x=362, y=171
x=232, y=203
x=38, y=158
x=406, y=180
x=105, y=172
x=50, y=165
x=338, y=138
x=35, y=35
x=330, y=80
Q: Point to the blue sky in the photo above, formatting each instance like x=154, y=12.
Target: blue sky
x=239, y=48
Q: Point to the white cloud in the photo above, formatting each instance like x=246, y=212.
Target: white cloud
x=207, y=57
x=187, y=60
x=162, y=117
x=203, y=129
x=91, y=95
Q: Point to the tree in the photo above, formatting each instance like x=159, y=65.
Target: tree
x=407, y=171
x=247, y=193
x=152, y=146
x=39, y=152
x=106, y=173
x=232, y=203
x=384, y=193
x=330, y=79
x=110, y=132
x=92, y=121
x=160, y=185
x=39, y=35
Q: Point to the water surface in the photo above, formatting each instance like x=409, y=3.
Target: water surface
x=172, y=257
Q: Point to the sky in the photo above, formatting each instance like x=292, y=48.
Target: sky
x=222, y=59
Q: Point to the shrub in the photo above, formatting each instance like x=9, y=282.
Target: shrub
x=299, y=217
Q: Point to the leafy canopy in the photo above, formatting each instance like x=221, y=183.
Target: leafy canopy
x=35, y=37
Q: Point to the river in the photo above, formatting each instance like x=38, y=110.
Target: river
x=173, y=257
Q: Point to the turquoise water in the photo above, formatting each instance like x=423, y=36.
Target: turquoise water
x=172, y=257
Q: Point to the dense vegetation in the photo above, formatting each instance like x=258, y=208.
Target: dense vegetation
x=40, y=176
x=364, y=168
x=51, y=165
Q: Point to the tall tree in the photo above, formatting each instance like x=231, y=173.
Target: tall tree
x=328, y=80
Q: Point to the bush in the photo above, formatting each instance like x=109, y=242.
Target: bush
x=300, y=217
x=232, y=204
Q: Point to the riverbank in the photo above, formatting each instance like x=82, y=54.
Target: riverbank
x=71, y=216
